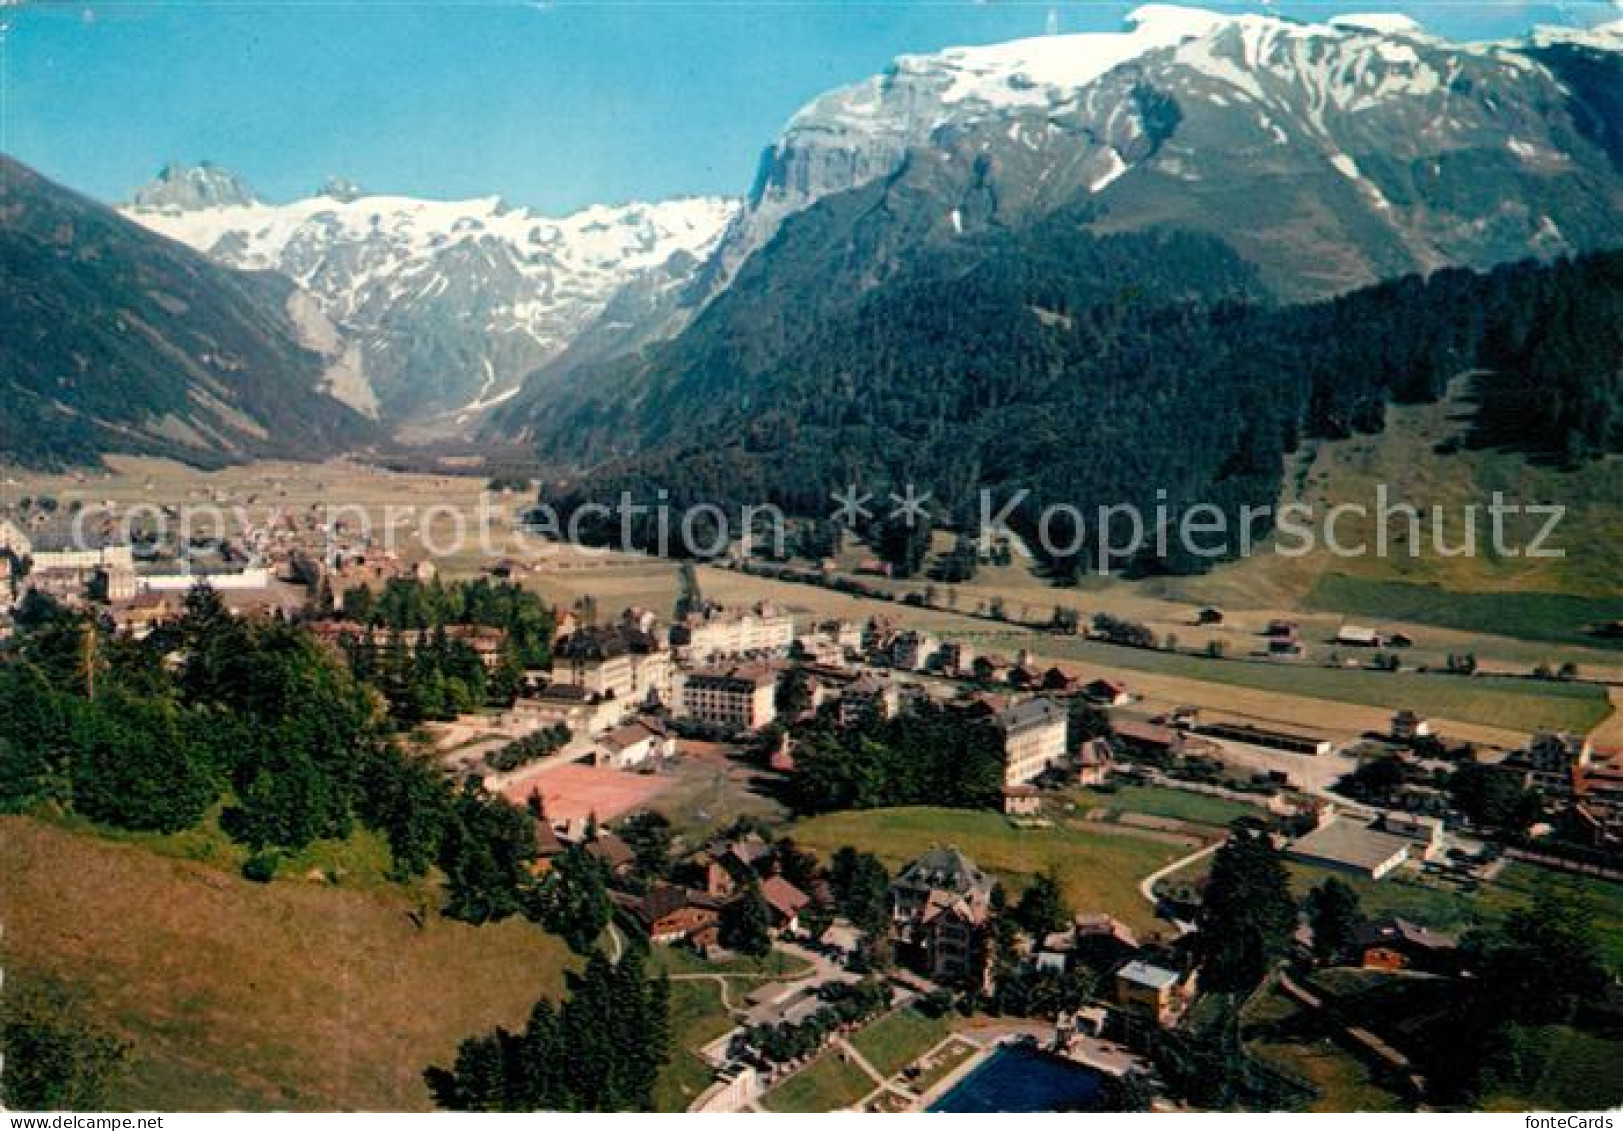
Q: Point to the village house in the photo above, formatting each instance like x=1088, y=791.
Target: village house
x=636, y=743
x=1094, y=761
x=913, y=651
x=868, y=697
x=941, y=906
x=1034, y=734
x=786, y=902
x=1146, y=990
x=1022, y=800
x=1392, y=943
x=1156, y=742
x=1426, y=831
x=1407, y=726
x=669, y=913
x=1110, y=692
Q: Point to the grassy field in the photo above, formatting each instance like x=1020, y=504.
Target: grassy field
x=829, y=1083
x=1098, y=871
x=1404, y=460
x=1559, y=617
x=1281, y=1033
x=1515, y=704
x=1432, y=903
x=898, y=1039
x=1158, y=801
x=697, y=1018
x=1579, y=1072
x=680, y=960
x=238, y=995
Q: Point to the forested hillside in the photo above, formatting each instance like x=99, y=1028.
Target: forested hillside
x=1092, y=371
x=118, y=340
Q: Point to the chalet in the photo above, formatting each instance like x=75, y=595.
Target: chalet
x=1022, y=800
x=1024, y=677
x=671, y=914
x=1111, y=692
x=786, y=902
x=748, y=852
x=1286, y=648
x=1553, y=761
x=1102, y=941
x=941, y=909
x=613, y=853
x=1094, y=760
x=1058, y=681
x=913, y=651
x=1407, y=726
x=547, y=846
x=868, y=697
x=1392, y=943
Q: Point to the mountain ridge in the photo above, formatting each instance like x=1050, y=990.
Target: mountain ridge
x=124, y=341
x=448, y=303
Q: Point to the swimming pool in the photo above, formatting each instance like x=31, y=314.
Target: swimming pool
x=1018, y=1078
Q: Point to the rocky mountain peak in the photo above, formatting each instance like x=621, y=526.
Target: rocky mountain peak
x=192, y=188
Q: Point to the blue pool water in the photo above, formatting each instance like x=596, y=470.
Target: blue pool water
x=1015, y=1078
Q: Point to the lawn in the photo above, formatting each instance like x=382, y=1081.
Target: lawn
x=234, y=995
x=1098, y=871
x=1282, y=1034
x=361, y=860
x=1432, y=903
x=680, y=960
x=829, y=1083
x=1579, y=1072
x=697, y=1018
x=898, y=1039
x=1515, y=704
x=1558, y=617
x=943, y=1064
x=1159, y=801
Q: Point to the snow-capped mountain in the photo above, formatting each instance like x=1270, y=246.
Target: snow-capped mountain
x=446, y=304
x=1445, y=153
x=1326, y=155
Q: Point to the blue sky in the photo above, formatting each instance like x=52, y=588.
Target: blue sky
x=554, y=105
